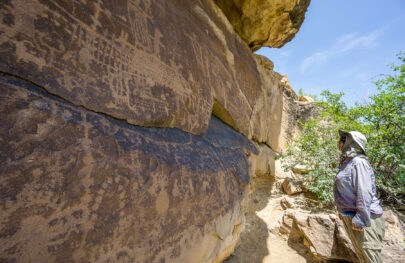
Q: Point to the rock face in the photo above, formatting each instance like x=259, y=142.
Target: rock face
x=268, y=111
x=81, y=186
x=270, y=23
x=276, y=111
x=134, y=60
x=130, y=130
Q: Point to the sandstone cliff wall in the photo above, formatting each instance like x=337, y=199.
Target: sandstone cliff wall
x=81, y=186
x=130, y=129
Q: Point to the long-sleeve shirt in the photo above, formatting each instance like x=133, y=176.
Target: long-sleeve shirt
x=355, y=190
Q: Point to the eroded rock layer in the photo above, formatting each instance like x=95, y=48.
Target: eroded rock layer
x=276, y=111
x=151, y=63
x=81, y=186
x=270, y=23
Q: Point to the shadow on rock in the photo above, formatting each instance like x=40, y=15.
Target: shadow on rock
x=253, y=240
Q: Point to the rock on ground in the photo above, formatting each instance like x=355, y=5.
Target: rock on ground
x=393, y=244
x=293, y=186
x=298, y=228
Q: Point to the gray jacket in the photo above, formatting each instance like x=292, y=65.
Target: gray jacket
x=354, y=186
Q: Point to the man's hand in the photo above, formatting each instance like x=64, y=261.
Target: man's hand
x=356, y=228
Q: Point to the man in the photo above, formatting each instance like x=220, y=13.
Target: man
x=355, y=198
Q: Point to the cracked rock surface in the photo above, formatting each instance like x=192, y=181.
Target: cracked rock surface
x=127, y=127
x=81, y=186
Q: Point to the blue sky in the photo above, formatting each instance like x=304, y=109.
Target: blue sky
x=343, y=46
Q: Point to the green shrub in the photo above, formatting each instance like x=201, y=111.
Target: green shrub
x=382, y=120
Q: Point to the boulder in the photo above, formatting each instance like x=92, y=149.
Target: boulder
x=270, y=23
x=393, y=243
x=287, y=202
x=280, y=173
x=322, y=235
x=319, y=236
x=301, y=169
x=306, y=99
x=293, y=186
x=77, y=185
x=286, y=86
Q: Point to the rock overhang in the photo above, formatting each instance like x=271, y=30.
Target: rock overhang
x=270, y=23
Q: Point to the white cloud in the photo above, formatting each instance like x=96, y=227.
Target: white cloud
x=343, y=44
x=362, y=41
x=348, y=37
x=315, y=59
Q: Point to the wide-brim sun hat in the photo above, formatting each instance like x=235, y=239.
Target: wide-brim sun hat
x=358, y=137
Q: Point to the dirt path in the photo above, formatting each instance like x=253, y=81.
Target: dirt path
x=261, y=241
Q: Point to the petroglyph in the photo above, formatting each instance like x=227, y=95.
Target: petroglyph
x=94, y=186
x=129, y=59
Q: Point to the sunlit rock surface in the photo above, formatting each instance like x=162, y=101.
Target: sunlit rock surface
x=151, y=63
x=270, y=23
x=394, y=239
x=275, y=114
